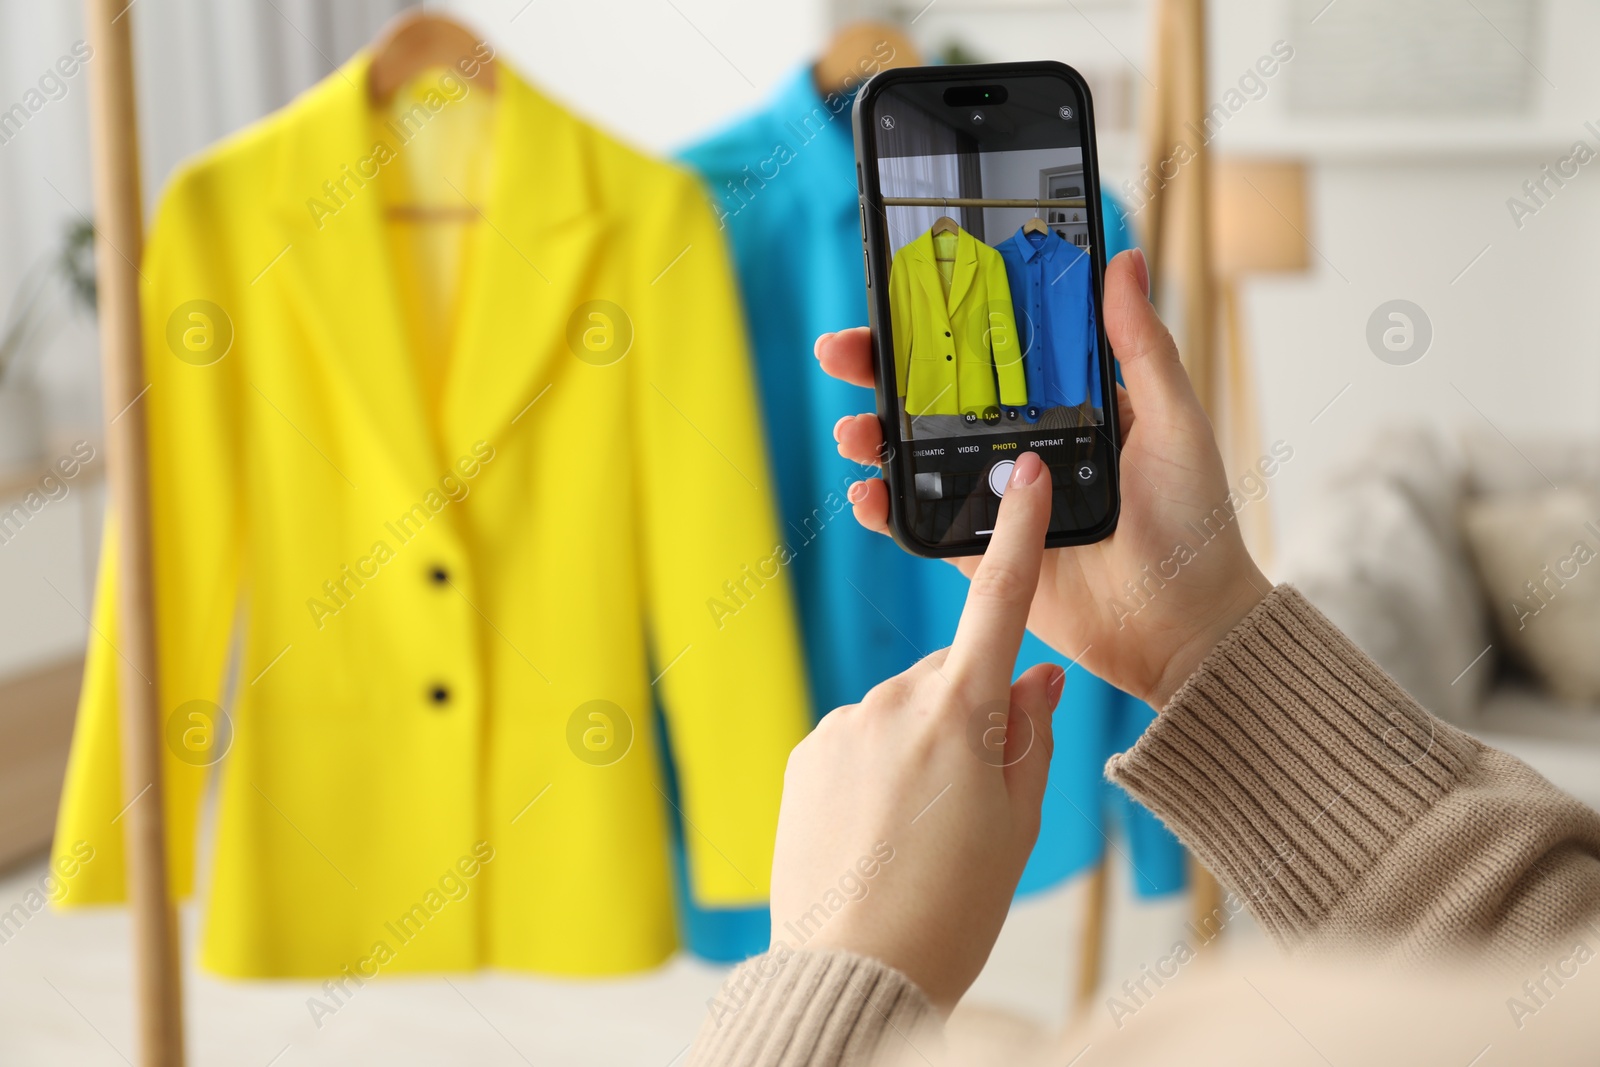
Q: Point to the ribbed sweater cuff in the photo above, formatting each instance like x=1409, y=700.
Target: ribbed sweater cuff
x=810, y=1009
x=1288, y=763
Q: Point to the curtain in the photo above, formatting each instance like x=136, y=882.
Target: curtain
x=204, y=69
x=917, y=176
x=924, y=164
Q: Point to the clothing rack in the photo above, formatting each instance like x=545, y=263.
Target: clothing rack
x=119, y=243
x=1178, y=243
x=977, y=201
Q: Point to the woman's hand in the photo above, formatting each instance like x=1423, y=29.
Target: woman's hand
x=1143, y=607
x=907, y=818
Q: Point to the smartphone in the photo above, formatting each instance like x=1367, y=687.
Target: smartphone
x=980, y=222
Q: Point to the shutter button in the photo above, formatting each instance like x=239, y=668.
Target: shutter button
x=1000, y=476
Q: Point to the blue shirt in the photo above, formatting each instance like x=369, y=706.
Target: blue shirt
x=782, y=181
x=1051, y=293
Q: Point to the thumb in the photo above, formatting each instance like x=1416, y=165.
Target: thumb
x=1030, y=740
x=1143, y=345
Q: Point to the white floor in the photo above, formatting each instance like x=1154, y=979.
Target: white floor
x=65, y=996
x=64, y=987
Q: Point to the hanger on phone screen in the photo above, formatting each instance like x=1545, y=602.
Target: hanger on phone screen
x=1035, y=224
x=944, y=223
x=415, y=41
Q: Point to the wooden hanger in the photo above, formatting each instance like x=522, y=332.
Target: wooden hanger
x=1035, y=224
x=944, y=224
x=414, y=41
x=856, y=52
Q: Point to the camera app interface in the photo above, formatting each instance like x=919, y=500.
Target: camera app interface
x=993, y=319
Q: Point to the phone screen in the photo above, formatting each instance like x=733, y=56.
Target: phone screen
x=988, y=257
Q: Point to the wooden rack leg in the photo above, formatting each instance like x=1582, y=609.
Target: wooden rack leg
x=1189, y=219
x=1091, y=953
x=118, y=210
x=1243, y=444
x=1158, y=145
x=1176, y=220
x=1206, y=901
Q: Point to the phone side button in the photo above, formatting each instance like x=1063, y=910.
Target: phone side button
x=866, y=265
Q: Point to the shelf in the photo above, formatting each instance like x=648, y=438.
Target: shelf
x=36, y=716
x=1413, y=141
x=16, y=481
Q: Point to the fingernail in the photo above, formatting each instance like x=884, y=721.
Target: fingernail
x=1057, y=684
x=840, y=425
x=816, y=349
x=857, y=493
x=1141, y=270
x=1026, y=470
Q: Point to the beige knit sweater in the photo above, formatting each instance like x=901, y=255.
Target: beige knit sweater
x=1343, y=816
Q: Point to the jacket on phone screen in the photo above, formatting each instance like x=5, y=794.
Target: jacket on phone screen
x=954, y=354
x=1052, y=292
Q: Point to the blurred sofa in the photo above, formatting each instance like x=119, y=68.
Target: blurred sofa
x=1468, y=565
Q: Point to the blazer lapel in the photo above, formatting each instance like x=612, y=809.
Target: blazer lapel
x=335, y=272
x=966, y=267
x=531, y=261
x=925, y=268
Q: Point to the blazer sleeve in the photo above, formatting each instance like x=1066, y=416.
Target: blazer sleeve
x=901, y=317
x=1004, y=343
x=191, y=415
x=720, y=616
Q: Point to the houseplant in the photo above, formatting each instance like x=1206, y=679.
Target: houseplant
x=29, y=324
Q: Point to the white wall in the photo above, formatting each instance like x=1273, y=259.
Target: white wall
x=654, y=72
x=1399, y=208
x=44, y=179
x=1016, y=174
x=1512, y=336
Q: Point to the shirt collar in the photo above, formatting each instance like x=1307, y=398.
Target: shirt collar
x=817, y=129
x=1047, y=245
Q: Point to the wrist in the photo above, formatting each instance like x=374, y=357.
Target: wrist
x=1230, y=610
x=931, y=976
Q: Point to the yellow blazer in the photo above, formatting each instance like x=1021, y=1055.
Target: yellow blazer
x=948, y=354
x=419, y=777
